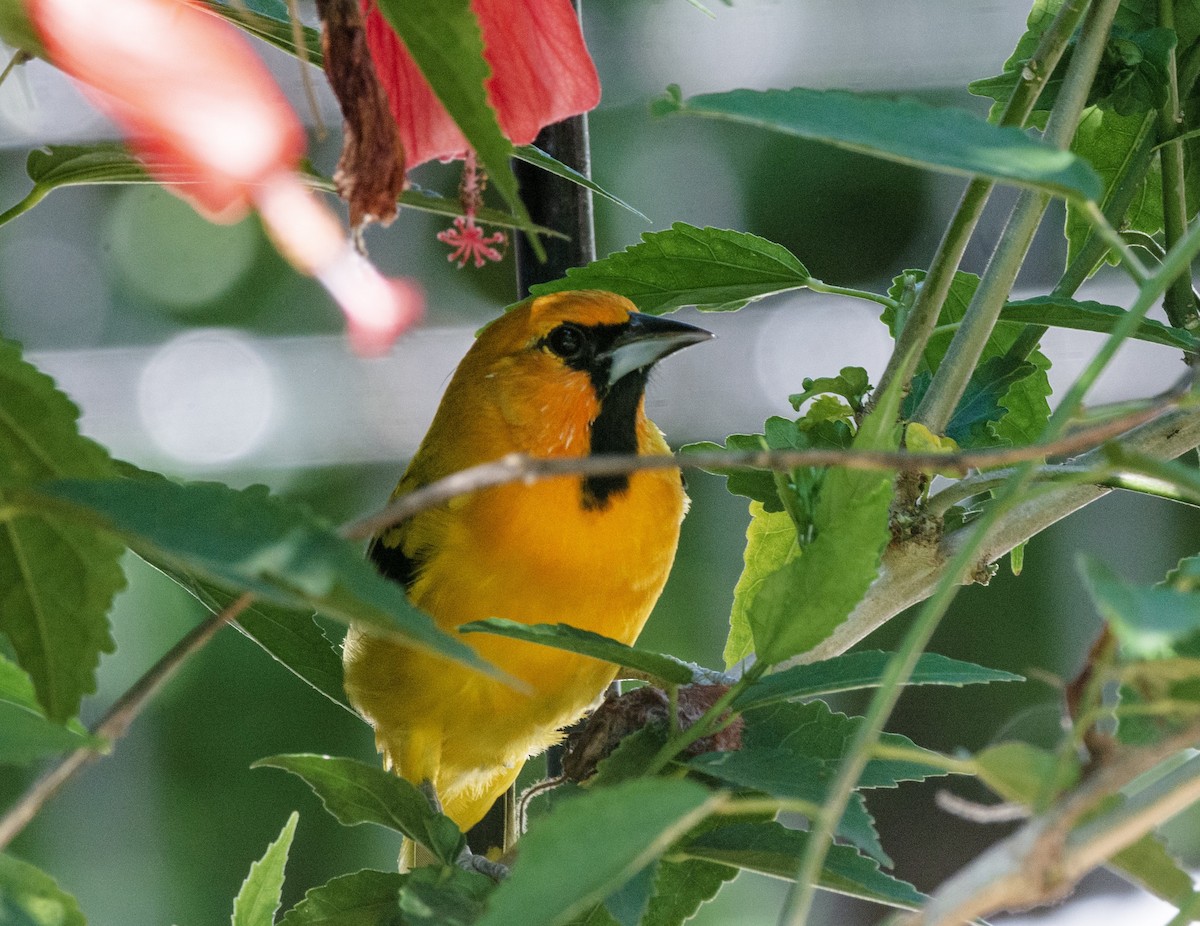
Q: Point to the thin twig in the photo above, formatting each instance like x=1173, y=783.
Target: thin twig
x=521, y=468
x=116, y=722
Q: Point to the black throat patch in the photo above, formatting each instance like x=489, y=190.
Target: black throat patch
x=614, y=431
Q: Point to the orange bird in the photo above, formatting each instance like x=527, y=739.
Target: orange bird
x=558, y=376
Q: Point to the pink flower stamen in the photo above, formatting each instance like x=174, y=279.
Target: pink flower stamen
x=467, y=239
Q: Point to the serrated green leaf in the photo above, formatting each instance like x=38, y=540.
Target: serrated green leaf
x=1058, y=312
x=1025, y=409
x=531, y=154
x=355, y=792
x=297, y=643
x=628, y=903
x=851, y=383
x=907, y=131
x=783, y=773
x=631, y=758
x=774, y=850
x=443, y=896
x=585, y=643
x=1024, y=774
x=258, y=900
x=57, y=578
x=801, y=603
x=30, y=897
x=291, y=637
x=1147, y=620
x=680, y=887
x=364, y=898
x=982, y=404
x=851, y=671
x=28, y=736
x=755, y=484
x=251, y=541
x=444, y=39
x=1148, y=862
x=710, y=268
x=588, y=847
x=812, y=730
x=1110, y=143
x=770, y=545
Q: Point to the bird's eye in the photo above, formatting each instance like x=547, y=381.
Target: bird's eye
x=567, y=341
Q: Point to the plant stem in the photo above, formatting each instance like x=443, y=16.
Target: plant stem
x=1179, y=302
x=912, y=337
x=116, y=722
x=819, y=286
x=964, y=352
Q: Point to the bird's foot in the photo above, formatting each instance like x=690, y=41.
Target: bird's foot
x=469, y=861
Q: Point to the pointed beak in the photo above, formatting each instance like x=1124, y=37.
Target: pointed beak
x=646, y=340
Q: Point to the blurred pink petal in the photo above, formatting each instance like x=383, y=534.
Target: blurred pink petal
x=184, y=86
x=541, y=73
x=378, y=309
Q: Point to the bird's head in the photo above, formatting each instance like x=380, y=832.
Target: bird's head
x=567, y=371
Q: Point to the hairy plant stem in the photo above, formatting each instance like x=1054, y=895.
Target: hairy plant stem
x=1179, y=301
x=901, y=665
x=913, y=335
x=964, y=352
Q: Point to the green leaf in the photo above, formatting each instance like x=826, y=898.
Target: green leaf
x=29, y=736
x=1110, y=143
x=1024, y=406
x=58, y=577
x=269, y=20
x=364, y=898
x=942, y=139
x=628, y=903
x=30, y=896
x=297, y=643
x=680, y=887
x=784, y=773
x=812, y=730
x=443, y=896
x=755, y=484
x=851, y=383
x=585, y=643
x=1147, y=620
x=531, y=154
x=710, y=268
x=1059, y=312
x=258, y=901
x=355, y=792
x=291, y=637
x=770, y=545
x=445, y=42
x=771, y=849
x=251, y=541
x=851, y=671
x=1148, y=862
x=588, y=847
x=982, y=404
x=801, y=603
x=1024, y=774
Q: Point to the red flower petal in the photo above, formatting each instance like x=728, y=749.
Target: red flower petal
x=541, y=73
x=188, y=90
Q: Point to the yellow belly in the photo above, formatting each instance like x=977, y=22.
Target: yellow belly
x=531, y=554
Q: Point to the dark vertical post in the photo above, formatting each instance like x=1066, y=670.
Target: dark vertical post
x=558, y=204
